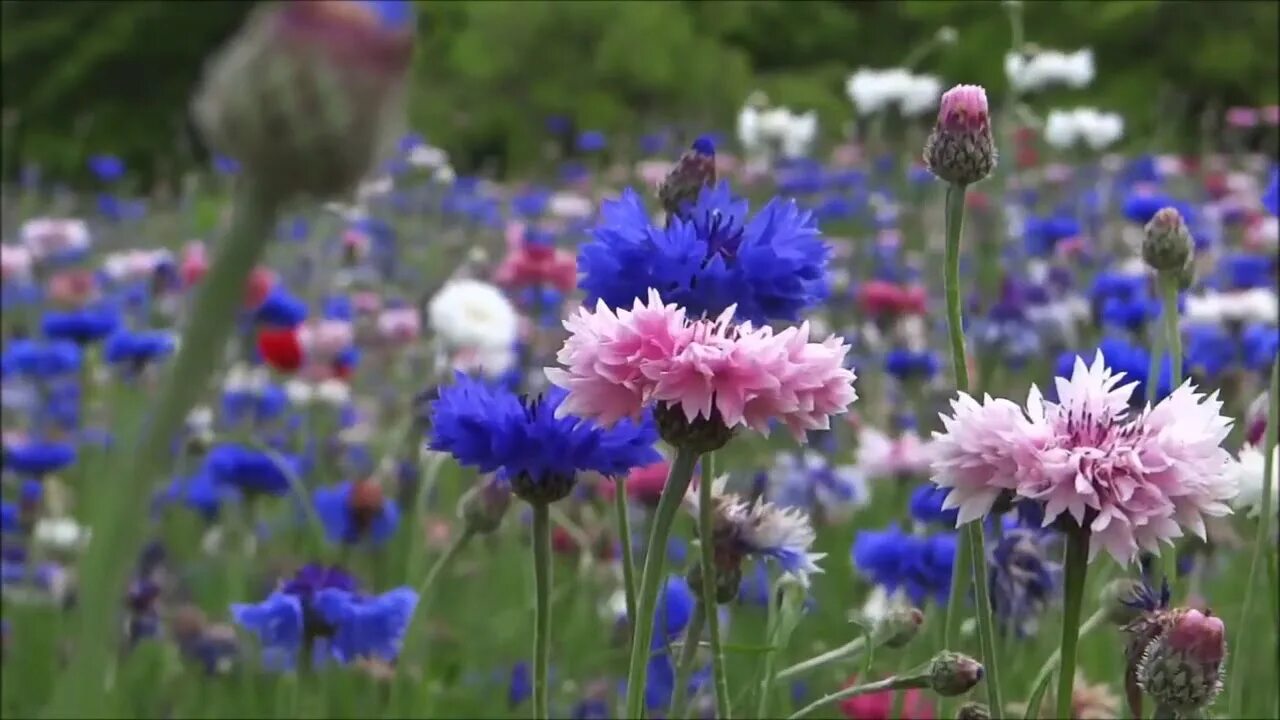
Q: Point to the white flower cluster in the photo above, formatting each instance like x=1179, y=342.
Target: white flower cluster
x=476, y=326
x=873, y=91
x=1037, y=71
x=1257, y=305
x=1083, y=127
x=761, y=128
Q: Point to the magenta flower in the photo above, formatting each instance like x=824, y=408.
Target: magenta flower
x=1130, y=481
x=616, y=364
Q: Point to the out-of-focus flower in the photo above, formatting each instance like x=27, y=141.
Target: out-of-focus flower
x=811, y=480
x=1083, y=127
x=473, y=315
x=399, y=326
x=873, y=91
x=15, y=263
x=37, y=458
x=49, y=238
x=251, y=471
x=531, y=261
x=352, y=512
x=1029, y=72
x=880, y=705
x=1129, y=481
x=139, y=348
x=1023, y=579
x=539, y=445
x=920, y=566
x=883, y=456
x=1250, y=474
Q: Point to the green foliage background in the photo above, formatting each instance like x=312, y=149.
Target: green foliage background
x=84, y=77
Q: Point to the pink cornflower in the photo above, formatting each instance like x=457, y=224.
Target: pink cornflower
x=879, y=705
x=400, y=326
x=1130, y=481
x=531, y=263
x=15, y=262
x=616, y=364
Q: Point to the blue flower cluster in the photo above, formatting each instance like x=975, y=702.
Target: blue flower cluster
x=772, y=267
x=251, y=471
x=920, y=565
x=494, y=429
x=323, y=608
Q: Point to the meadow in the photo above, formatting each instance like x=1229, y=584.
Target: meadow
x=332, y=429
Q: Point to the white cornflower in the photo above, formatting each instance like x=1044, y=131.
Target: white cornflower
x=742, y=528
x=52, y=236
x=473, y=315
x=1250, y=469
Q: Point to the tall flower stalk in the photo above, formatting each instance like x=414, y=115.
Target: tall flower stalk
x=961, y=151
x=1076, y=568
x=709, y=601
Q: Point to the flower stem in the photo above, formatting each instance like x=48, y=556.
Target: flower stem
x=1173, y=339
x=1095, y=620
x=678, y=480
x=684, y=668
x=1077, y=566
x=916, y=679
x=1262, y=540
x=970, y=546
x=443, y=561
x=628, y=557
x=542, y=608
x=706, y=532
x=117, y=533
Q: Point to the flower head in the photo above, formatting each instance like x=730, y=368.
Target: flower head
x=702, y=371
x=541, y=448
x=351, y=512
x=1023, y=579
x=473, y=315
x=710, y=258
x=1182, y=669
x=919, y=565
x=1131, y=481
x=1250, y=474
x=961, y=149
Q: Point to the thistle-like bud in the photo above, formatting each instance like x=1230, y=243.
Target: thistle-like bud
x=695, y=169
x=483, y=506
x=1182, y=670
x=973, y=711
x=702, y=435
x=1167, y=246
x=308, y=95
x=961, y=149
x=1255, y=420
x=953, y=673
x=899, y=626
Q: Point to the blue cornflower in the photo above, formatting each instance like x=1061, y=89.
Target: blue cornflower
x=1259, y=345
x=1210, y=351
x=906, y=364
x=200, y=493
x=280, y=309
x=811, y=481
x=38, y=457
x=520, y=685
x=531, y=203
x=671, y=616
x=772, y=267
x=43, y=359
x=920, y=566
x=1129, y=358
x=1023, y=579
x=926, y=506
x=1140, y=206
x=339, y=307
x=1041, y=235
x=1245, y=271
x=653, y=143
x=139, y=347
x=590, y=141
x=9, y=517
x=325, y=604
x=494, y=429
x=1271, y=197
x=82, y=326
x=224, y=165
x=107, y=168
x=351, y=512
x=390, y=14
x=249, y=470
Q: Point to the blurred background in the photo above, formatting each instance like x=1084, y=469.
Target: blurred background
x=496, y=81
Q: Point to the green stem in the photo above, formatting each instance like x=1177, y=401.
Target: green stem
x=986, y=629
x=1262, y=540
x=1094, y=621
x=1077, y=566
x=678, y=480
x=684, y=668
x=117, y=534
x=542, y=608
x=1173, y=339
x=628, y=557
x=443, y=561
x=707, y=549
x=897, y=682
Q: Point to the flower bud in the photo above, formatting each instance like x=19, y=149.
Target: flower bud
x=483, y=506
x=702, y=435
x=952, y=673
x=973, y=711
x=1167, y=246
x=1255, y=420
x=1182, y=670
x=899, y=626
x=695, y=169
x=961, y=149
x=1121, y=599
x=308, y=95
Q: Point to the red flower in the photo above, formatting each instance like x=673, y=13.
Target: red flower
x=879, y=706
x=644, y=485
x=195, y=264
x=880, y=297
x=279, y=348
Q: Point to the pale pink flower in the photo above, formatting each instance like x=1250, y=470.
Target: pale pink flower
x=52, y=236
x=882, y=456
x=1242, y=117
x=1270, y=114
x=653, y=172
x=618, y=363
x=15, y=262
x=366, y=302
x=1130, y=480
x=570, y=205
x=356, y=243
x=195, y=263
x=325, y=339
x=527, y=264
x=400, y=325
x=130, y=265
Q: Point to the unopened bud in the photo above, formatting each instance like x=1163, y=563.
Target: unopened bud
x=695, y=170
x=1255, y=420
x=952, y=673
x=973, y=711
x=1167, y=246
x=308, y=94
x=1182, y=669
x=701, y=435
x=900, y=626
x=961, y=149
x=484, y=506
